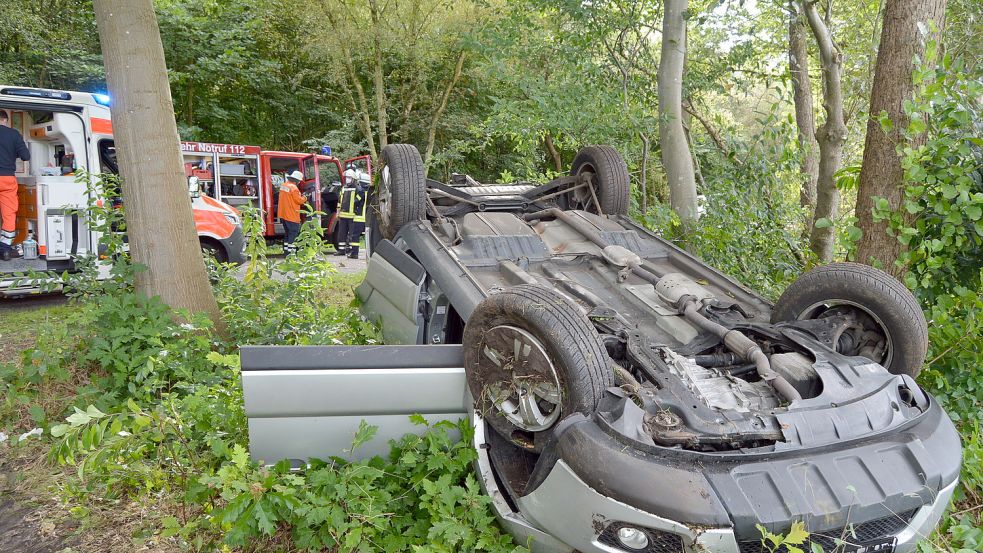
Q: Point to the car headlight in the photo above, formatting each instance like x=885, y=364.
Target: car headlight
x=231, y=217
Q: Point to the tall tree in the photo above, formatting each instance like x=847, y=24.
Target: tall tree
x=805, y=120
x=159, y=221
x=400, y=70
x=831, y=135
x=676, y=157
x=881, y=175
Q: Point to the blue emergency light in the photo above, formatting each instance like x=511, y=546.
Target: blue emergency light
x=326, y=150
x=101, y=99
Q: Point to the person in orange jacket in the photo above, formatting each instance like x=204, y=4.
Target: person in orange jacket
x=288, y=210
x=11, y=147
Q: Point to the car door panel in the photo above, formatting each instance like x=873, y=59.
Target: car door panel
x=308, y=401
x=391, y=293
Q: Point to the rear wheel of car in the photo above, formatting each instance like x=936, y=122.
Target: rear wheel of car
x=609, y=175
x=532, y=358
x=890, y=329
x=402, y=193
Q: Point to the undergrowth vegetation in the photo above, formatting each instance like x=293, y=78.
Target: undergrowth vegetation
x=145, y=406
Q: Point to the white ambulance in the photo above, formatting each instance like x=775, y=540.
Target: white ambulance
x=68, y=132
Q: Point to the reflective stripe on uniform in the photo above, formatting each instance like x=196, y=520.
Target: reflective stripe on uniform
x=347, y=203
x=359, y=197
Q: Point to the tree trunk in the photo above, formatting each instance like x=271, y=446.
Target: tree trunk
x=554, y=153
x=675, y=152
x=881, y=174
x=643, y=181
x=159, y=220
x=362, y=108
x=445, y=97
x=830, y=136
x=798, y=63
x=379, y=80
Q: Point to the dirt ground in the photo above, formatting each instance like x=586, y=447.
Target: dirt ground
x=29, y=523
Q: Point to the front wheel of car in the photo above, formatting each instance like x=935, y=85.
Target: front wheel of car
x=889, y=328
x=532, y=358
x=401, y=196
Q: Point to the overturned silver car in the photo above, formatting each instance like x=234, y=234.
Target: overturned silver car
x=625, y=397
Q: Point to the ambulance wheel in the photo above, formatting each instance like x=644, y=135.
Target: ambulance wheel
x=212, y=249
x=531, y=358
x=402, y=194
x=609, y=177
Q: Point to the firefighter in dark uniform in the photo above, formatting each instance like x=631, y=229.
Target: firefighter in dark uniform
x=351, y=216
x=340, y=236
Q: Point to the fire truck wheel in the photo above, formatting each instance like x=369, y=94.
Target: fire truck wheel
x=609, y=176
x=402, y=192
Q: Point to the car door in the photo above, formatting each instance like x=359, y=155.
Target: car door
x=363, y=163
x=391, y=292
x=308, y=401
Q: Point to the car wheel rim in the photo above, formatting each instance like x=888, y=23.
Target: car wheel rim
x=518, y=378
x=582, y=198
x=868, y=319
x=385, y=197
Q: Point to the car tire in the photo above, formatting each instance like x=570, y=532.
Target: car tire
x=562, y=366
x=402, y=193
x=892, y=307
x=611, y=182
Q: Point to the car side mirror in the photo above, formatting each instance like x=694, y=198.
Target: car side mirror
x=193, y=189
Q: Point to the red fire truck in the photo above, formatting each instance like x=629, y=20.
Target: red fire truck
x=241, y=175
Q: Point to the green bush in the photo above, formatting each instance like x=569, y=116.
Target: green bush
x=158, y=415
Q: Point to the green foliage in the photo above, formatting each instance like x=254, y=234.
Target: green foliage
x=941, y=223
x=50, y=44
x=423, y=495
x=752, y=225
x=789, y=542
x=164, y=420
x=287, y=301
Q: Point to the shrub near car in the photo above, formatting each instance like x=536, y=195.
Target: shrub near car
x=624, y=396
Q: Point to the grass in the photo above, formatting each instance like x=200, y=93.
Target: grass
x=22, y=320
x=30, y=485
x=341, y=291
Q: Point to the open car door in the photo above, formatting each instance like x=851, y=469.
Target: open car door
x=308, y=401
x=363, y=163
